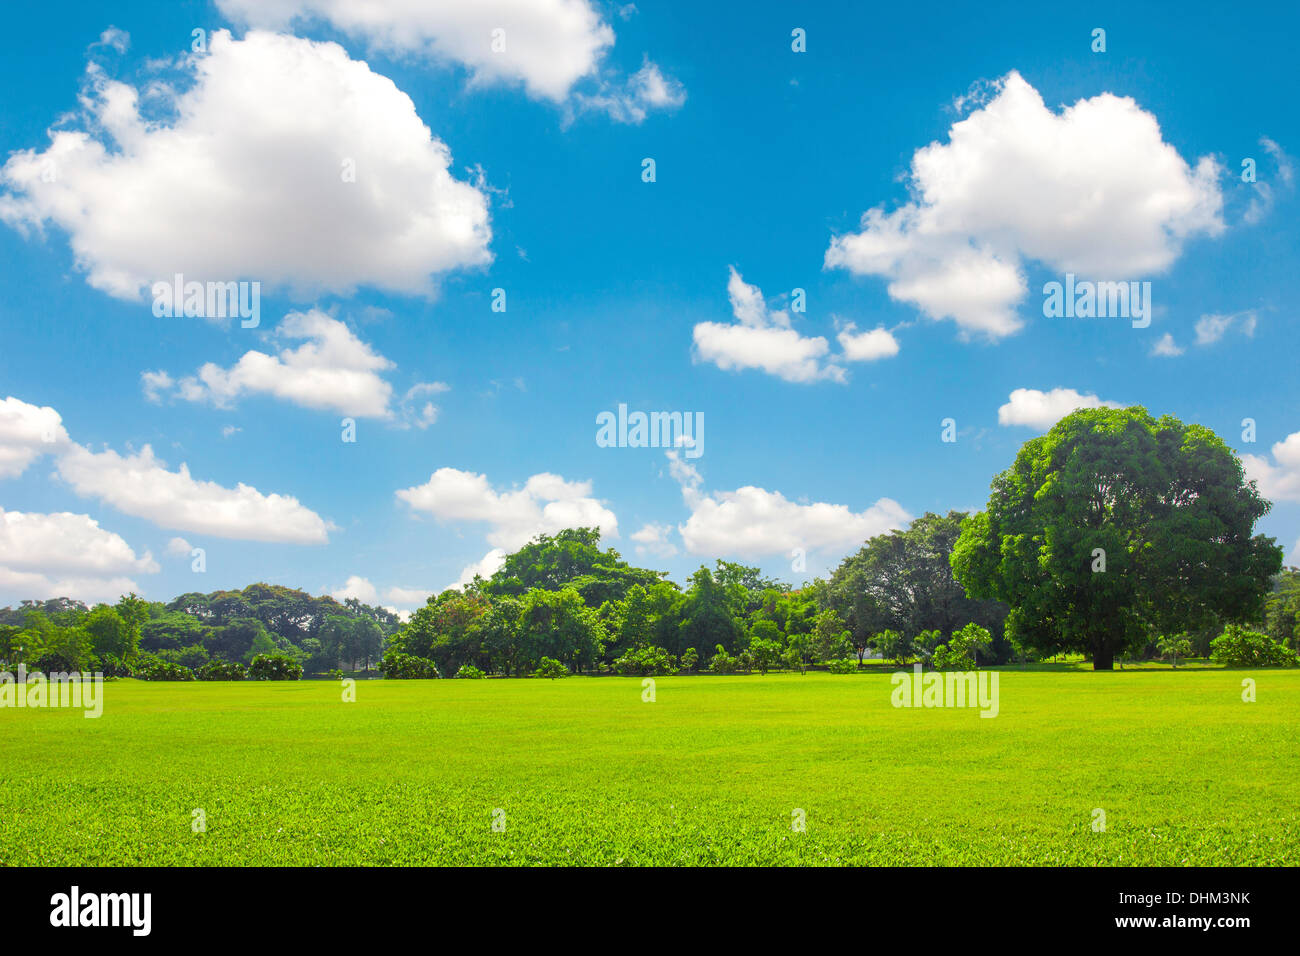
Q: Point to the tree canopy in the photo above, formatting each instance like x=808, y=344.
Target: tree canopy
x=1115, y=527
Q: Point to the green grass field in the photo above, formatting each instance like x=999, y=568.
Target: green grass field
x=710, y=773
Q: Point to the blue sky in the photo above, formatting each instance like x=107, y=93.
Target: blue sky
x=617, y=290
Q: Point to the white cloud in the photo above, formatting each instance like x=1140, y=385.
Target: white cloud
x=26, y=433
x=1263, y=195
x=645, y=90
x=155, y=383
x=407, y=597
x=399, y=600
x=179, y=548
x=413, y=414
x=1279, y=479
x=653, y=539
x=550, y=47
x=867, y=346
x=66, y=555
x=332, y=369
x=359, y=588
x=141, y=485
x=114, y=39
x=763, y=339
x=486, y=566
x=544, y=505
x=247, y=180
x=752, y=522
x=1211, y=328
x=1042, y=410
x=1092, y=190
x=1167, y=347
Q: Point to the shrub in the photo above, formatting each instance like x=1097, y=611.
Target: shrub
x=845, y=665
x=274, y=667
x=112, y=666
x=469, y=672
x=1238, y=647
x=644, y=661
x=690, y=657
x=149, y=667
x=722, y=662
x=551, y=668
x=221, y=670
x=399, y=666
x=966, y=645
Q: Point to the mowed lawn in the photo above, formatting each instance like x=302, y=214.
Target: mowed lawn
x=583, y=772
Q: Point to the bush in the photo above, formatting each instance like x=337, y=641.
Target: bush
x=845, y=665
x=399, y=666
x=221, y=670
x=274, y=667
x=469, y=672
x=644, y=661
x=1238, y=647
x=551, y=668
x=112, y=666
x=150, y=667
x=722, y=662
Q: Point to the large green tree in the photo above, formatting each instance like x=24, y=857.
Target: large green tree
x=1115, y=527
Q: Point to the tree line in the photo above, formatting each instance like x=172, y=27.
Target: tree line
x=1115, y=534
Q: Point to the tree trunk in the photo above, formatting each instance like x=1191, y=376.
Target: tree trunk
x=1103, y=657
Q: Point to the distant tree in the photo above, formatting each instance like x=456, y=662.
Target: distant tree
x=967, y=644
x=830, y=637
x=110, y=634
x=1172, y=646
x=895, y=646
x=497, y=633
x=172, y=629
x=711, y=613
x=568, y=559
x=558, y=624
x=1282, y=609
x=903, y=581
x=764, y=653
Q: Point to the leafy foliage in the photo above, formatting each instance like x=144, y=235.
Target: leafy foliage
x=274, y=667
x=1238, y=647
x=399, y=666
x=221, y=670
x=1115, y=526
x=551, y=668
x=645, y=661
x=150, y=667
